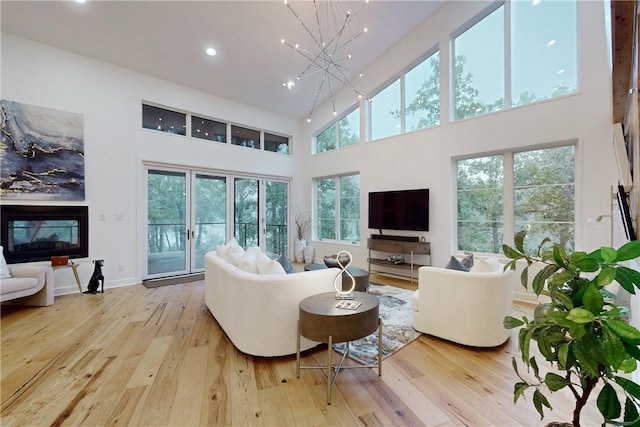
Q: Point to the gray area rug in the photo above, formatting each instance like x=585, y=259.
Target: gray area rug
x=397, y=329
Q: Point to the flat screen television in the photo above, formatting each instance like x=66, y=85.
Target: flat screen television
x=399, y=210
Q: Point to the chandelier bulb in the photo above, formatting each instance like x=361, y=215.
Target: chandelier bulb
x=308, y=119
x=335, y=113
x=282, y=41
x=365, y=29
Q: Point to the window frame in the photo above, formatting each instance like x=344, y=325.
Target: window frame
x=336, y=124
x=337, y=209
x=401, y=76
x=508, y=190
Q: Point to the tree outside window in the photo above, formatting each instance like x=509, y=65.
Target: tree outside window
x=338, y=208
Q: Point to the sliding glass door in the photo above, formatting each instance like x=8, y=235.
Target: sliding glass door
x=188, y=211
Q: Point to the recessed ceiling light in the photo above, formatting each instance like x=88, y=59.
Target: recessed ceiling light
x=81, y=1
x=211, y=51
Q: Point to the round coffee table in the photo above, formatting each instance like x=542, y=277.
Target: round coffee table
x=320, y=320
x=361, y=276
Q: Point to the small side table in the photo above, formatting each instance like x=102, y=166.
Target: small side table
x=74, y=267
x=320, y=320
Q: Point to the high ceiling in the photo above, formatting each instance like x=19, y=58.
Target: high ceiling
x=167, y=39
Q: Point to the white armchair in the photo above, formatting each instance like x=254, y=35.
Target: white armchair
x=464, y=307
x=29, y=284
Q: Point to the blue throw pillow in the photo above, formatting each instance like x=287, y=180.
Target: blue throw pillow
x=286, y=264
x=464, y=265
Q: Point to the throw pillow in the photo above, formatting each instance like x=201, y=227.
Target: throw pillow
x=267, y=265
x=486, y=265
x=4, y=268
x=467, y=262
x=455, y=264
x=248, y=261
x=286, y=264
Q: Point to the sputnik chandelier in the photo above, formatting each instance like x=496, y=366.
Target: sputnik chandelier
x=327, y=56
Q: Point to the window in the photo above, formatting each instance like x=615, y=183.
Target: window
x=543, y=50
x=164, y=120
x=541, y=184
x=479, y=67
x=385, y=120
x=422, y=99
x=345, y=132
x=409, y=103
x=515, y=54
x=245, y=137
x=338, y=208
x=208, y=129
x=276, y=143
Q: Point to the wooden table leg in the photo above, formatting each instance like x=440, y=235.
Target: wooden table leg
x=379, y=347
x=298, y=353
x=74, y=267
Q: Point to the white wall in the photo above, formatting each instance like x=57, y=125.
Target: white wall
x=425, y=158
x=116, y=146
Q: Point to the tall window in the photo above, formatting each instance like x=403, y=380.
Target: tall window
x=409, y=103
x=541, y=186
x=517, y=53
x=343, y=133
x=338, y=208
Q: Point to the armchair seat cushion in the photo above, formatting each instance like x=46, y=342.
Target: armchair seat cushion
x=28, y=285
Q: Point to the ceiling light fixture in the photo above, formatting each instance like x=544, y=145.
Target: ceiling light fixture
x=326, y=55
x=211, y=51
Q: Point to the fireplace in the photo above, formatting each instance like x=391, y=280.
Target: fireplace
x=36, y=233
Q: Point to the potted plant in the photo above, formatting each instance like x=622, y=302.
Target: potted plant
x=580, y=330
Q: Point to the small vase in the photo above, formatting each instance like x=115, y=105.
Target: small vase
x=308, y=254
x=298, y=250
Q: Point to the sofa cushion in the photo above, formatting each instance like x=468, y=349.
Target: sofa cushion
x=486, y=265
x=286, y=264
x=4, y=269
x=248, y=260
x=266, y=265
x=231, y=251
x=415, y=300
x=19, y=284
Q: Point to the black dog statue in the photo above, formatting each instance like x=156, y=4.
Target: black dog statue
x=97, y=278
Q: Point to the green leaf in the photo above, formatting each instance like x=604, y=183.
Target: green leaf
x=631, y=413
x=542, y=276
x=613, y=347
x=608, y=403
x=587, y=264
x=580, y=315
x=511, y=253
x=544, y=242
x=518, y=390
x=511, y=322
x=626, y=332
x=632, y=350
x=540, y=400
x=629, y=365
x=565, y=300
x=560, y=255
x=629, y=386
x=524, y=341
x=608, y=254
x=555, y=382
x=563, y=355
x=519, y=240
x=524, y=278
x=545, y=347
x=629, y=279
x=629, y=250
x=606, y=276
x=592, y=300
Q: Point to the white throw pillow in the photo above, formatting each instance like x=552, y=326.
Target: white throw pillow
x=230, y=251
x=248, y=261
x=485, y=265
x=4, y=269
x=267, y=265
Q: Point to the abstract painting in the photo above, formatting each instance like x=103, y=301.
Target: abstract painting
x=41, y=153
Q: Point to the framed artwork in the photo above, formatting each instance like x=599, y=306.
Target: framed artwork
x=41, y=153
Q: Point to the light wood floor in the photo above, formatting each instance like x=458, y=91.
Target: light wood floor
x=156, y=357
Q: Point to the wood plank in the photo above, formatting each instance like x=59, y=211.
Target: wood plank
x=137, y=356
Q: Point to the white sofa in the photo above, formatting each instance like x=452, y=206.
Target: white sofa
x=464, y=307
x=259, y=312
x=28, y=285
